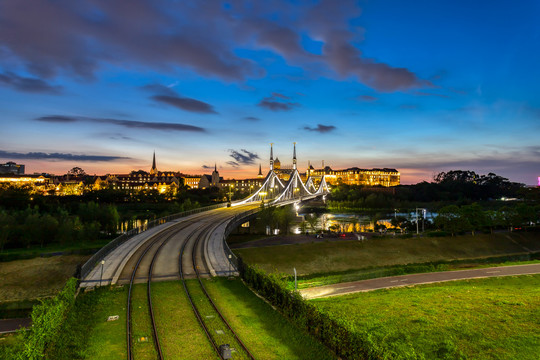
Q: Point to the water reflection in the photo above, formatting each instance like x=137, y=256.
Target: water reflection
x=124, y=226
x=356, y=222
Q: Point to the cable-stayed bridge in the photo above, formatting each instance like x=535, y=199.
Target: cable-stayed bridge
x=276, y=190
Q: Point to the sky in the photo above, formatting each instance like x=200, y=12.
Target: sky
x=419, y=86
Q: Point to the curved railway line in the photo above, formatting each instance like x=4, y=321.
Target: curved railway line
x=192, y=266
x=216, y=328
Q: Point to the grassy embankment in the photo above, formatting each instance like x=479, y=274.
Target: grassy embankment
x=266, y=333
x=23, y=281
x=338, y=261
x=77, y=248
x=494, y=318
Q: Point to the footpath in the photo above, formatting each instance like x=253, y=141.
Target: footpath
x=416, y=279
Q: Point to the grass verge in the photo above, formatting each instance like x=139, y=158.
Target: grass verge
x=482, y=319
x=340, y=256
x=266, y=333
x=36, y=278
x=181, y=336
x=81, y=248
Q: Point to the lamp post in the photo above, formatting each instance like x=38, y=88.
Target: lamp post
x=230, y=256
x=101, y=277
x=423, y=216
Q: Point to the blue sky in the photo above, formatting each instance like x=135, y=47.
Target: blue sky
x=420, y=86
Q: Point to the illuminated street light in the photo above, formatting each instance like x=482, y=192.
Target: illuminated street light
x=101, y=278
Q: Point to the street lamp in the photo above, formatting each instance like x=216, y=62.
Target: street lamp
x=423, y=216
x=101, y=278
x=230, y=256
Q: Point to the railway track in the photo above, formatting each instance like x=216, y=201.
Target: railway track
x=156, y=243
x=196, y=268
x=221, y=335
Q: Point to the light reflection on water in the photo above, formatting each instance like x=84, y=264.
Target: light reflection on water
x=357, y=222
x=127, y=225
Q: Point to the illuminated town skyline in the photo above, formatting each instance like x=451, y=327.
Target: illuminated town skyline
x=418, y=86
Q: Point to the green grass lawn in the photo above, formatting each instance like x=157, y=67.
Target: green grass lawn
x=338, y=256
x=496, y=318
x=266, y=333
x=83, y=247
x=36, y=278
x=180, y=334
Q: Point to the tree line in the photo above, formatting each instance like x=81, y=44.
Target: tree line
x=453, y=187
x=32, y=220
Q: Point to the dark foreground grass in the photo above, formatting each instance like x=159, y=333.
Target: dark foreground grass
x=496, y=318
x=341, y=256
x=266, y=333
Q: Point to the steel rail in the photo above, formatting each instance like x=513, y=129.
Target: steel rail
x=214, y=305
x=197, y=273
x=164, y=237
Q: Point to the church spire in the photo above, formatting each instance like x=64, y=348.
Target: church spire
x=271, y=157
x=260, y=172
x=294, y=157
x=154, y=171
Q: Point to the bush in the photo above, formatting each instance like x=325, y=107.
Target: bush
x=47, y=319
x=335, y=334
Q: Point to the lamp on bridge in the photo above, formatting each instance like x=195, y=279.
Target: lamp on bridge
x=263, y=194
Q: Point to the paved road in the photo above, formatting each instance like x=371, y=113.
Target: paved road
x=11, y=325
x=120, y=262
x=416, y=279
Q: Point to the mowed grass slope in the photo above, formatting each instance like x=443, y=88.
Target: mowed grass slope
x=496, y=318
x=266, y=333
x=36, y=278
x=334, y=256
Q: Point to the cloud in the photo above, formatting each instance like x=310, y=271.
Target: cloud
x=58, y=156
x=281, y=96
x=276, y=103
x=367, y=98
x=159, y=89
x=203, y=37
x=321, y=128
x=125, y=123
x=242, y=157
x=207, y=167
x=330, y=21
x=32, y=85
x=83, y=36
x=185, y=103
x=251, y=118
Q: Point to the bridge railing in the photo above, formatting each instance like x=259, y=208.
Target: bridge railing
x=233, y=224
x=113, y=244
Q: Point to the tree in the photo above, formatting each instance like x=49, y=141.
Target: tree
x=451, y=220
x=7, y=223
x=312, y=221
x=475, y=216
x=76, y=171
